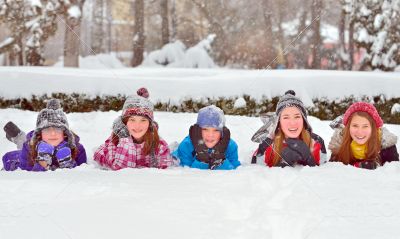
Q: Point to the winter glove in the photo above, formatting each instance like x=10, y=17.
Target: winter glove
x=119, y=128
x=200, y=148
x=217, y=156
x=14, y=134
x=367, y=164
x=63, y=156
x=303, y=150
x=45, y=153
x=289, y=157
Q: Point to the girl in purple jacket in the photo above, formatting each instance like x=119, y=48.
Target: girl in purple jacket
x=50, y=146
x=134, y=141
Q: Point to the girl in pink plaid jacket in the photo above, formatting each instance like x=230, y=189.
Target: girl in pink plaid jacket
x=134, y=142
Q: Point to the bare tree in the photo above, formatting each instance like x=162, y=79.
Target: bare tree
x=174, y=21
x=269, y=41
x=72, y=11
x=97, y=30
x=138, y=37
x=164, y=22
x=316, y=10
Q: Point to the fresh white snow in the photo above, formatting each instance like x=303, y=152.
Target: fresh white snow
x=331, y=201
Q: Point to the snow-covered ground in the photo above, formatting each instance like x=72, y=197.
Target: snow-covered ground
x=331, y=201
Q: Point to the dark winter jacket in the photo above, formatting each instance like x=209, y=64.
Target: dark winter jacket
x=20, y=158
x=388, y=151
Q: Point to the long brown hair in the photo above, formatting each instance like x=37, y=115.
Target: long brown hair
x=278, y=143
x=151, y=138
x=33, y=148
x=344, y=153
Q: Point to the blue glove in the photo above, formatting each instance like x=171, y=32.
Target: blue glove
x=63, y=156
x=45, y=153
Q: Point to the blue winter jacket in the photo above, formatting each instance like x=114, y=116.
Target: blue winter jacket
x=186, y=154
x=20, y=158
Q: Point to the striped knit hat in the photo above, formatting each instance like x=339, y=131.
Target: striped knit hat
x=138, y=105
x=289, y=99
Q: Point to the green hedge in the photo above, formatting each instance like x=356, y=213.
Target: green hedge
x=323, y=108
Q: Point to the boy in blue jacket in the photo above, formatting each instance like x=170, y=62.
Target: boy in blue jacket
x=208, y=145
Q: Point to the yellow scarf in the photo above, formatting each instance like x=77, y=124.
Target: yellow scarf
x=358, y=150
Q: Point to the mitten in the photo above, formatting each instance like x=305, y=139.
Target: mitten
x=63, y=156
x=303, y=150
x=289, y=157
x=45, y=153
x=14, y=134
x=367, y=164
x=201, y=150
x=119, y=128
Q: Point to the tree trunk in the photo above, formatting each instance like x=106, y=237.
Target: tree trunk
x=316, y=49
x=269, y=41
x=174, y=22
x=164, y=22
x=351, y=45
x=71, y=42
x=138, y=36
x=97, y=42
x=342, y=43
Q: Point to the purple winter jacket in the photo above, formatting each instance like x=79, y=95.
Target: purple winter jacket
x=20, y=158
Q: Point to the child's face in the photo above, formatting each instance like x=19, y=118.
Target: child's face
x=53, y=136
x=210, y=136
x=137, y=126
x=291, y=122
x=360, y=129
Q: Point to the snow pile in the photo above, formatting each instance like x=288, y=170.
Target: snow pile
x=99, y=61
x=240, y=103
x=251, y=202
x=174, y=55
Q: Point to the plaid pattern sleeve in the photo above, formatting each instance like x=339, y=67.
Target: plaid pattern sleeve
x=164, y=155
x=125, y=155
x=105, y=153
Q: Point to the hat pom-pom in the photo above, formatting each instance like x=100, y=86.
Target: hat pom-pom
x=290, y=92
x=143, y=92
x=53, y=104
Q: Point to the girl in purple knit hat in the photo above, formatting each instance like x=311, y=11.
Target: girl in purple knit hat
x=134, y=141
x=52, y=145
x=361, y=140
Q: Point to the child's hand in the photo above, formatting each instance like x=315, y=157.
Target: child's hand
x=63, y=156
x=303, y=150
x=45, y=154
x=119, y=128
x=367, y=164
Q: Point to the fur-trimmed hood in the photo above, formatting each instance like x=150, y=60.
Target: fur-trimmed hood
x=388, y=138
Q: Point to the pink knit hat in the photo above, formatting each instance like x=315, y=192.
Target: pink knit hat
x=364, y=107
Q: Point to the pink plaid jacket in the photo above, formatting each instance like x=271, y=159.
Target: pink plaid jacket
x=128, y=154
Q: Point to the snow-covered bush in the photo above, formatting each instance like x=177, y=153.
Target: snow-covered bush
x=176, y=55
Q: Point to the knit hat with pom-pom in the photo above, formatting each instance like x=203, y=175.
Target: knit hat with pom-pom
x=139, y=104
x=289, y=99
x=53, y=116
x=363, y=107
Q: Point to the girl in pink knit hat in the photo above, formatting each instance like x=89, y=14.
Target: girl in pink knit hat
x=360, y=138
x=134, y=141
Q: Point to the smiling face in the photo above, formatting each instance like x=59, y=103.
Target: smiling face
x=291, y=122
x=53, y=136
x=360, y=129
x=210, y=136
x=137, y=126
